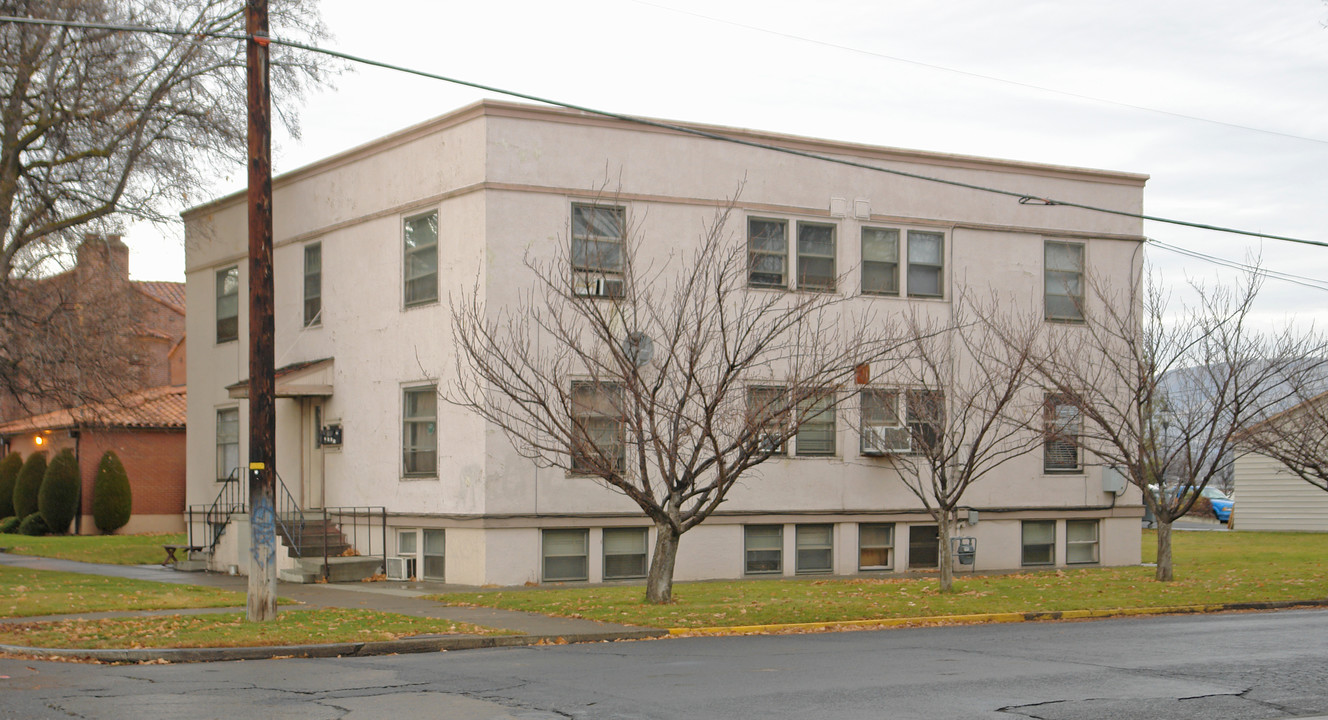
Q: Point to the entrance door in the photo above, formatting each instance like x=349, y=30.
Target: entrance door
x=313, y=455
x=923, y=545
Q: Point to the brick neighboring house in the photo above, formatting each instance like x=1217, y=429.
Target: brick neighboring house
x=144, y=421
x=146, y=431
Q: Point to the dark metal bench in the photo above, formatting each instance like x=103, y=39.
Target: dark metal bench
x=172, y=549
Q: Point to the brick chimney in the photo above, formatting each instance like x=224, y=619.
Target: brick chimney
x=102, y=256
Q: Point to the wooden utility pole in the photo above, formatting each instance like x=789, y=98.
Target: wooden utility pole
x=262, y=416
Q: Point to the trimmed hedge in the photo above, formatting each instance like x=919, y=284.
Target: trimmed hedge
x=57, y=501
x=112, y=499
x=33, y=525
x=9, y=468
x=28, y=485
x=9, y=525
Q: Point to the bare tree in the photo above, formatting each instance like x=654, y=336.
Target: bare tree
x=1164, y=391
x=668, y=382
x=1297, y=436
x=98, y=125
x=969, y=407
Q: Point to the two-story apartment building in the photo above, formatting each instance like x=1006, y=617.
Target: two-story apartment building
x=372, y=243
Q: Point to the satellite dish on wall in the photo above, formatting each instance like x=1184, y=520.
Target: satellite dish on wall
x=638, y=347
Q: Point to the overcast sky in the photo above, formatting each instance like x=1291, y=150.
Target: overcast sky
x=1117, y=76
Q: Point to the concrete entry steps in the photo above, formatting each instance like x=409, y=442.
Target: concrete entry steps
x=339, y=569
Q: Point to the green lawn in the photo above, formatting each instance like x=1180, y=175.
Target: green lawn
x=292, y=627
x=1211, y=567
x=25, y=593
x=108, y=549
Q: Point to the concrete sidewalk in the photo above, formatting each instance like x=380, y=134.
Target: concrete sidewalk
x=404, y=598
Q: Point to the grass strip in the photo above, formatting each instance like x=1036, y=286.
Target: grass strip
x=291, y=627
x=27, y=593
x=107, y=549
x=1211, y=568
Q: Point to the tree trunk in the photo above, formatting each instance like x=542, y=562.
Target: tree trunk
x=944, y=558
x=659, y=581
x=1164, y=549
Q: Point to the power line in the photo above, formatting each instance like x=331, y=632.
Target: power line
x=979, y=76
x=1023, y=198
x=1303, y=281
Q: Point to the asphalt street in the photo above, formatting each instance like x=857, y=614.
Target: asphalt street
x=1239, y=665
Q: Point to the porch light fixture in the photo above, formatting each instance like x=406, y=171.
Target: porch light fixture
x=38, y=440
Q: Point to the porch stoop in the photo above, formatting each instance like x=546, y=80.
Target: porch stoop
x=305, y=539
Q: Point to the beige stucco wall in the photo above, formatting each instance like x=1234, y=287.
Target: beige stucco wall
x=1270, y=498
x=502, y=179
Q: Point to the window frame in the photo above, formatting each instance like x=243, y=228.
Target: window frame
x=587, y=420
x=597, y=280
x=1025, y=548
x=419, y=249
x=644, y=534
x=584, y=533
x=1076, y=275
x=915, y=422
x=939, y=269
x=1095, y=543
x=315, y=318
x=808, y=407
x=867, y=422
x=412, y=555
x=753, y=253
x=747, y=550
x=225, y=332
x=426, y=555
x=223, y=475
x=828, y=548
x=408, y=421
x=862, y=248
x=775, y=420
x=1053, y=436
x=889, y=548
x=807, y=258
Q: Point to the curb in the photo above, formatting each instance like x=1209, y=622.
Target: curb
x=331, y=650
x=1009, y=617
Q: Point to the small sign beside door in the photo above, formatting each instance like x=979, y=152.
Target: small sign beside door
x=330, y=435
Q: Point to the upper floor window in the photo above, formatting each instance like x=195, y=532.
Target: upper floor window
x=816, y=427
x=228, y=304
x=1064, y=281
x=926, y=263
x=816, y=256
x=597, y=250
x=420, y=259
x=926, y=420
x=313, y=284
x=880, y=261
x=767, y=413
x=228, y=443
x=419, y=431
x=1060, y=446
x=767, y=253
x=598, y=444
x=883, y=429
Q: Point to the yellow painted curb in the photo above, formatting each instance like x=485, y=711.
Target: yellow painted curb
x=1007, y=617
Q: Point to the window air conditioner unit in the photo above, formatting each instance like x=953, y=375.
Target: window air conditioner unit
x=400, y=568
x=881, y=440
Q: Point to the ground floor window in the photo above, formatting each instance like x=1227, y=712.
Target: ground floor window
x=1039, y=542
x=407, y=547
x=433, y=554
x=764, y=546
x=624, y=553
x=876, y=545
x=566, y=555
x=923, y=541
x=815, y=548
x=1081, y=544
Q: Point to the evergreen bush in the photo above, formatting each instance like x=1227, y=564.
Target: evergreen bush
x=112, y=500
x=33, y=525
x=57, y=500
x=9, y=525
x=28, y=484
x=9, y=468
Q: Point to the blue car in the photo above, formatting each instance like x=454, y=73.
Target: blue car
x=1221, y=503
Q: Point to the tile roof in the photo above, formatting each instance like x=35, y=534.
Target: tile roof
x=158, y=407
x=168, y=293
